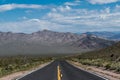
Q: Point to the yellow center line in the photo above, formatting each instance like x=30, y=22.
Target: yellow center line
x=59, y=75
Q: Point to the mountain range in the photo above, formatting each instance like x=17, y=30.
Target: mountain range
x=107, y=35
x=49, y=42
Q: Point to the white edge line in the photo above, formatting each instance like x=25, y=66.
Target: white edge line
x=33, y=71
x=90, y=72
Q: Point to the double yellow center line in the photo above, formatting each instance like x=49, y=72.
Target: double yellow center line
x=59, y=74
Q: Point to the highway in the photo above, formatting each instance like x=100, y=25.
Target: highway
x=60, y=70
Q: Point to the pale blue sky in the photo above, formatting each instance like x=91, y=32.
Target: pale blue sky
x=59, y=15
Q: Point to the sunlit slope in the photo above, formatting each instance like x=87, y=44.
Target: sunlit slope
x=109, y=52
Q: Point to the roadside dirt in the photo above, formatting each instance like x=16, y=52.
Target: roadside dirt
x=16, y=75
x=99, y=71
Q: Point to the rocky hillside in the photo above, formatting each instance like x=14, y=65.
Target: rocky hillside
x=111, y=52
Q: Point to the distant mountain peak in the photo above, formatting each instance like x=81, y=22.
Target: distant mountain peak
x=46, y=30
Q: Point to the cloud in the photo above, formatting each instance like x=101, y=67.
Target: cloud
x=71, y=4
x=70, y=19
x=7, y=7
x=77, y=22
x=64, y=8
x=83, y=19
x=74, y=3
x=102, y=1
x=30, y=25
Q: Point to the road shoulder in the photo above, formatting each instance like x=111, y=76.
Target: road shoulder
x=99, y=71
x=19, y=74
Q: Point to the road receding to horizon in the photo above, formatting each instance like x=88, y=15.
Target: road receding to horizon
x=61, y=70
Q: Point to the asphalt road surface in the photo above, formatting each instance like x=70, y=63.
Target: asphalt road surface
x=60, y=70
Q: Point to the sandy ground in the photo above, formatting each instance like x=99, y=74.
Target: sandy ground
x=16, y=75
x=110, y=75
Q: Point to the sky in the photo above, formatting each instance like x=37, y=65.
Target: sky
x=76, y=16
